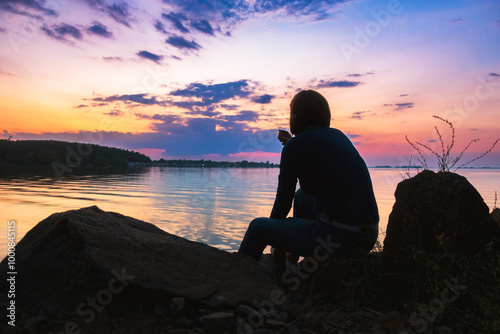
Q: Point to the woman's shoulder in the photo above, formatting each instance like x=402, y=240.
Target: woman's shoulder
x=322, y=131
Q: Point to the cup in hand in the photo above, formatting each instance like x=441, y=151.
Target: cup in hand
x=284, y=136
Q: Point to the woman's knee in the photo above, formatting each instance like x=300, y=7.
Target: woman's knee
x=256, y=224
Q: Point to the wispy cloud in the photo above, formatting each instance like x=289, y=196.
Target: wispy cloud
x=112, y=58
x=203, y=26
x=456, y=21
x=176, y=20
x=338, y=84
x=159, y=117
x=209, y=17
x=493, y=76
x=151, y=56
x=318, y=9
x=160, y=27
x=181, y=43
x=263, y=99
x=359, y=75
x=242, y=116
x=118, y=11
x=215, y=93
x=27, y=8
x=198, y=98
x=189, y=19
x=400, y=106
x=61, y=31
x=99, y=29
x=115, y=113
x=358, y=114
x=131, y=98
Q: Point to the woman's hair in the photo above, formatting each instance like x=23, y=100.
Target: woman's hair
x=308, y=108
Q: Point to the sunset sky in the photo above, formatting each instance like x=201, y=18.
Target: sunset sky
x=213, y=79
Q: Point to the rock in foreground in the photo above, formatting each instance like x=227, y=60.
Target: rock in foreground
x=83, y=261
x=438, y=213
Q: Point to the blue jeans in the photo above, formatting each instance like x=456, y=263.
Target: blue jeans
x=301, y=236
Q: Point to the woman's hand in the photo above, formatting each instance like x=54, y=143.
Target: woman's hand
x=284, y=136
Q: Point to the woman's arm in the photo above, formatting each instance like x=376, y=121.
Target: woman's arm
x=287, y=183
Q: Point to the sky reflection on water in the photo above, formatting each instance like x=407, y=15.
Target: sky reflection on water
x=209, y=205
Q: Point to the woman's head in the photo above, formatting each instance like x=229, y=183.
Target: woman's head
x=308, y=108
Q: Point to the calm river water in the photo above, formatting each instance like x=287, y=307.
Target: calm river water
x=210, y=205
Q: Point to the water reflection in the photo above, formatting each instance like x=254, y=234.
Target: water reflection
x=210, y=205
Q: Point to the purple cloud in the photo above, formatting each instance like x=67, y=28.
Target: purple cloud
x=400, y=106
x=203, y=26
x=128, y=98
x=61, y=31
x=214, y=93
x=358, y=115
x=112, y=58
x=263, y=99
x=182, y=43
x=406, y=105
x=99, y=29
x=176, y=19
x=151, y=56
x=160, y=27
x=242, y=116
x=339, y=84
x=115, y=113
x=119, y=11
x=21, y=7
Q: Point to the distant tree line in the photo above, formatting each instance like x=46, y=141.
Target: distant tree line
x=70, y=154
x=212, y=164
x=46, y=152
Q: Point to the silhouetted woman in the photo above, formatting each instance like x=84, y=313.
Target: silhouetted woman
x=335, y=209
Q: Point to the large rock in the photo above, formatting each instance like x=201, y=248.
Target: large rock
x=73, y=261
x=438, y=212
x=495, y=215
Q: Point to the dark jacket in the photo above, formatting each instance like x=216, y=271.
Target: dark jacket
x=330, y=169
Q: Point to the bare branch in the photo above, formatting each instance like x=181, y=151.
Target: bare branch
x=479, y=157
x=444, y=160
